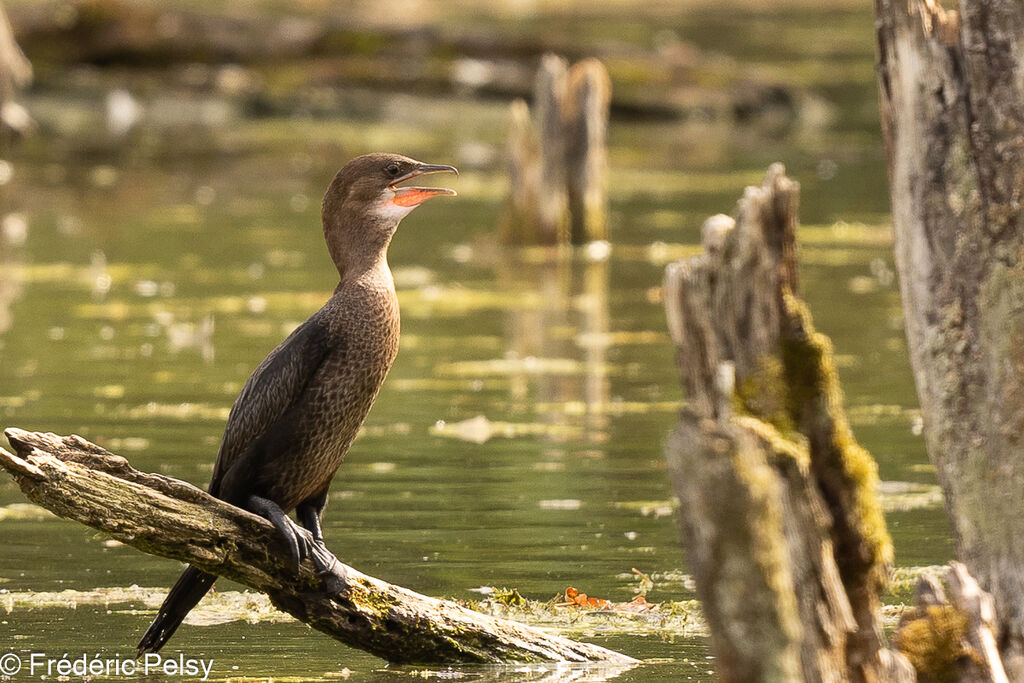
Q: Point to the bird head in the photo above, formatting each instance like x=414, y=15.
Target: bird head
x=366, y=201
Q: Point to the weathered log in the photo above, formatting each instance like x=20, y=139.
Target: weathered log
x=952, y=110
x=80, y=481
x=558, y=157
x=789, y=572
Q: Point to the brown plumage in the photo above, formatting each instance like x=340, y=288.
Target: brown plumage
x=300, y=410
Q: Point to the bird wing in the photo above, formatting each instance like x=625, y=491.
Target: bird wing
x=268, y=393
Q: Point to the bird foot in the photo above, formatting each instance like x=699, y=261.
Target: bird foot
x=301, y=542
x=316, y=550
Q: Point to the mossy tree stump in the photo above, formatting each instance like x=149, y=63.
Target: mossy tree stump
x=784, y=532
x=80, y=481
x=952, y=110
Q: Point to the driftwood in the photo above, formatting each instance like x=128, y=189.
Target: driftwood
x=952, y=110
x=784, y=532
x=558, y=156
x=80, y=481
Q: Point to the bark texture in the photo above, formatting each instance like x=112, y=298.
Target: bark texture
x=952, y=109
x=80, y=481
x=789, y=570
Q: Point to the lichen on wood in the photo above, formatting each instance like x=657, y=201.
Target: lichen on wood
x=765, y=429
x=160, y=515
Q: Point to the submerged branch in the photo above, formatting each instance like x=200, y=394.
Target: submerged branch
x=80, y=481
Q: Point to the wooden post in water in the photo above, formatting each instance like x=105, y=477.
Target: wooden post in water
x=589, y=99
x=784, y=531
x=952, y=110
x=558, y=155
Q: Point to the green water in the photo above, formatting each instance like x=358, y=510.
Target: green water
x=156, y=272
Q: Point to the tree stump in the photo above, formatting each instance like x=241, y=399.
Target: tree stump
x=784, y=532
x=559, y=160
x=80, y=481
x=952, y=110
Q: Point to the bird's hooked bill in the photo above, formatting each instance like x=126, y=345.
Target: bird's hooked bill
x=414, y=196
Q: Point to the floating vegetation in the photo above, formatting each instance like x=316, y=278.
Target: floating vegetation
x=879, y=412
x=433, y=300
x=216, y=608
x=472, y=341
x=530, y=365
x=850, y=234
x=166, y=310
x=901, y=496
x=577, y=614
x=24, y=512
x=650, y=508
x=613, y=408
x=560, y=504
x=480, y=430
x=448, y=385
x=601, y=340
x=172, y=411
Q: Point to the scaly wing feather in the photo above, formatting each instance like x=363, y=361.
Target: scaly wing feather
x=268, y=393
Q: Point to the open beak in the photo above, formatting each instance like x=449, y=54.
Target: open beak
x=414, y=196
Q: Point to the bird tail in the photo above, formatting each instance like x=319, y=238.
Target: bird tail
x=192, y=585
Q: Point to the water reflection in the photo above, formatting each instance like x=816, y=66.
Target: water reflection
x=572, y=316
x=13, y=234
x=562, y=672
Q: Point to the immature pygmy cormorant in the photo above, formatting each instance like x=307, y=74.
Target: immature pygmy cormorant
x=298, y=413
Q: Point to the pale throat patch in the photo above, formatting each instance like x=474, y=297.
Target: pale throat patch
x=386, y=208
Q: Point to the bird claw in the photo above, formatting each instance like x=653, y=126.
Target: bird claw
x=303, y=544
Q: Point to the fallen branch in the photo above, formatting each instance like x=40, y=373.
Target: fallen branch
x=80, y=481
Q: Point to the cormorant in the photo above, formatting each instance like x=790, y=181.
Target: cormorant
x=299, y=411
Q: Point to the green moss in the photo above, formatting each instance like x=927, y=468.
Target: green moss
x=764, y=394
x=846, y=473
x=374, y=601
x=509, y=597
x=780, y=445
x=934, y=642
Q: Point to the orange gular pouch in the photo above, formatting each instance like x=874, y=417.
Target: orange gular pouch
x=414, y=196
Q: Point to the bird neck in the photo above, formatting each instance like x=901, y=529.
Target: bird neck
x=358, y=246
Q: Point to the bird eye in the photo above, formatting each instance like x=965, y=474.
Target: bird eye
x=391, y=169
